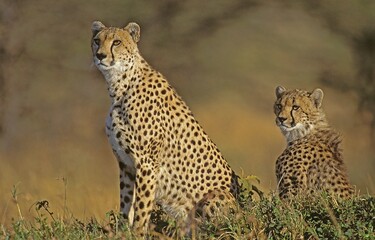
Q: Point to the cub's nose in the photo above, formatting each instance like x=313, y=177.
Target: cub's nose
x=281, y=119
x=101, y=56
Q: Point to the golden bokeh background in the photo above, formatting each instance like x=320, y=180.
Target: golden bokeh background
x=225, y=58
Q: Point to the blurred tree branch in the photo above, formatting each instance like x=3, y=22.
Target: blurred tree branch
x=204, y=26
x=211, y=24
x=359, y=32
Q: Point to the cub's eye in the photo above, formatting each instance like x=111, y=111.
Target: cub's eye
x=278, y=106
x=116, y=42
x=97, y=41
x=295, y=107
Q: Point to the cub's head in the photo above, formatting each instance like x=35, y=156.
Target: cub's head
x=114, y=48
x=298, y=112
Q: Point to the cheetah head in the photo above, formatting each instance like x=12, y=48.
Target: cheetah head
x=114, y=48
x=298, y=112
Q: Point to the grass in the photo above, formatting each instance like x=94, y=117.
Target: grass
x=265, y=218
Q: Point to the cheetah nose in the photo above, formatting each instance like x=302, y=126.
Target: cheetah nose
x=101, y=56
x=281, y=119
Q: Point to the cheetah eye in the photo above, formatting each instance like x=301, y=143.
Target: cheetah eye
x=295, y=107
x=116, y=42
x=279, y=106
x=97, y=41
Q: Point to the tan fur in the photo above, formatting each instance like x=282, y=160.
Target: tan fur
x=312, y=160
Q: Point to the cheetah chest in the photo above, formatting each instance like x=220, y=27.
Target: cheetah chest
x=114, y=126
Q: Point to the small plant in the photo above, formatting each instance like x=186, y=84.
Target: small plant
x=15, y=194
x=249, y=189
x=44, y=204
x=65, y=182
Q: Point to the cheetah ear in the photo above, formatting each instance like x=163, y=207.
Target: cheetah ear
x=135, y=31
x=317, y=97
x=96, y=27
x=279, y=91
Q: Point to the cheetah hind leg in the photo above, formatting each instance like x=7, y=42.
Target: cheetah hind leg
x=215, y=205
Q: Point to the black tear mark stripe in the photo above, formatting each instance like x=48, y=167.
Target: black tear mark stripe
x=291, y=111
x=113, y=56
x=112, y=45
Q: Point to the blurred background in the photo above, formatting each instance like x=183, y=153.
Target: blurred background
x=224, y=57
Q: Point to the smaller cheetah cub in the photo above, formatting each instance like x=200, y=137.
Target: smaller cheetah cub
x=312, y=160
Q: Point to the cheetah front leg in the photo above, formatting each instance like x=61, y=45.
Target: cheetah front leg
x=145, y=187
x=127, y=183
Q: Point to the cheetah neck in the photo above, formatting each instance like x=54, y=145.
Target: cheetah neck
x=120, y=80
x=296, y=133
x=304, y=130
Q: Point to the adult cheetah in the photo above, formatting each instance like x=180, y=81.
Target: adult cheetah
x=164, y=155
x=312, y=160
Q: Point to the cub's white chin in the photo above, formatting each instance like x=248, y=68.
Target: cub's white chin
x=289, y=129
x=296, y=132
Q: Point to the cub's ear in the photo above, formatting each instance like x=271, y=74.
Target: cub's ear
x=96, y=27
x=317, y=97
x=135, y=31
x=279, y=91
